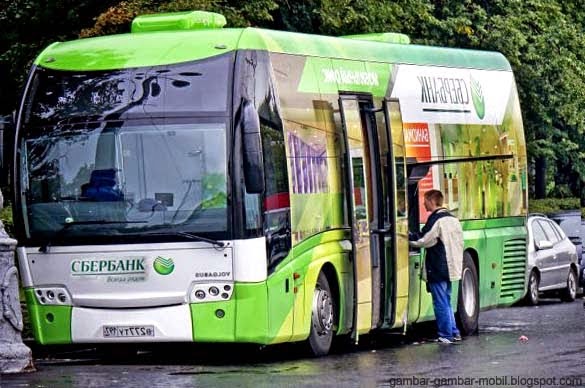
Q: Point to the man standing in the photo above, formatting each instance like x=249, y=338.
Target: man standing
x=443, y=237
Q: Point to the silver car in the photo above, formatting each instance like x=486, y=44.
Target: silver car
x=552, y=261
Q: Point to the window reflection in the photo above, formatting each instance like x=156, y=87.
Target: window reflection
x=139, y=177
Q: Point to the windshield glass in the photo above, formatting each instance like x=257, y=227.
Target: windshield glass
x=198, y=87
x=124, y=178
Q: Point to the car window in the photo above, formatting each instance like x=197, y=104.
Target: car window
x=537, y=232
x=551, y=234
x=560, y=232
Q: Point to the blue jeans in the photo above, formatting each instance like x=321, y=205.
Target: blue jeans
x=441, y=293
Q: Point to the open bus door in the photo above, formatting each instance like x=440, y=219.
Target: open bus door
x=398, y=279
x=365, y=209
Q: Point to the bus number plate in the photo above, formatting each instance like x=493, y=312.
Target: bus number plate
x=128, y=331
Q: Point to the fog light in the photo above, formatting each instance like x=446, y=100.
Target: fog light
x=50, y=295
x=199, y=294
x=219, y=313
x=213, y=291
x=225, y=295
x=62, y=297
x=227, y=287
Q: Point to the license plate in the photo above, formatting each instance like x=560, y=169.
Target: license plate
x=128, y=331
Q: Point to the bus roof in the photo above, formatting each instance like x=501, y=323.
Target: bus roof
x=167, y=47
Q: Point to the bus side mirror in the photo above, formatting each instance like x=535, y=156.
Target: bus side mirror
x=252, y=142
x=6, y=139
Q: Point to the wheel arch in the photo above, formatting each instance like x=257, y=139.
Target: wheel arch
x=475, y=258
x=332, y=267
x=334, y=284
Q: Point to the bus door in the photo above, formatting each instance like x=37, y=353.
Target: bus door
x=400, y=270
x=366, y=206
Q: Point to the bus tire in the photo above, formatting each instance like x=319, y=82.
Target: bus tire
x=323, y=316
x=468, y=297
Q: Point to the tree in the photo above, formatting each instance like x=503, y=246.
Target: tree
x=26, y=27
x=239, y=13
x=542, y=39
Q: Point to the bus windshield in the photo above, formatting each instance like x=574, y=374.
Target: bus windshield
x=124, y=178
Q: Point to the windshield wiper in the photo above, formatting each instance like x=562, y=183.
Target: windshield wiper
x=190, y=236
x=45, y=247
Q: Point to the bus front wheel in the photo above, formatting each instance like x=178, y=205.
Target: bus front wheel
x=322, y=317
x=468, y=297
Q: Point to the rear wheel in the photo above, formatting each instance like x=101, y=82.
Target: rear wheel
x=323, y=315
x=468, y=298
x=570, y=292
x=532, y=292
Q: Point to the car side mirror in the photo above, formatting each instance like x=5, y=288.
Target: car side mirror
x=6, y=139
x=544, y=244
x=252, y=143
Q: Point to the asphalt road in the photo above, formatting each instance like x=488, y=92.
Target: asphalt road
x=552, y=355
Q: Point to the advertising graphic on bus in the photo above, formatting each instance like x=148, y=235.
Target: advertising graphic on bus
x=188, y=182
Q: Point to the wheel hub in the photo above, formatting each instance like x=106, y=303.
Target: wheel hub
x=468, y=292
x=322, y=316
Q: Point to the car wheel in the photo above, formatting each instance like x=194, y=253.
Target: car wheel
x=570, y=292
x=323, y=316
x=532, y=291
x=468, y=298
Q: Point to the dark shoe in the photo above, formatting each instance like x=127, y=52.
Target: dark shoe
x=457, y=338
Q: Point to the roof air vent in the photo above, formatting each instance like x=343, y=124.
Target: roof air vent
x=385, y=37
x=190, y=20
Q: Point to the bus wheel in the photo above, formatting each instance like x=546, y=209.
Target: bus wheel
x=468, y=298
x=322, y=317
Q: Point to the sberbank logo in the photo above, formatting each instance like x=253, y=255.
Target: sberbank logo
x=163, y=265
x=477, y=98
x=118, y=266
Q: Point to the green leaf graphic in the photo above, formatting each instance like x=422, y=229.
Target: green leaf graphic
x=477, y=97
x=163, y=266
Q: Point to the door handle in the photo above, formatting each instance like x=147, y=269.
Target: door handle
x=416, y=265
x=381, y=231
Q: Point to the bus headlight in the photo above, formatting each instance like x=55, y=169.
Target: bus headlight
x=210, y=292
x=213, y=291
x=52, y=296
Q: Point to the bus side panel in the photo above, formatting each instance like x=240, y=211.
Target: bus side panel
x=214, y=322
x=510, y=280
x=51, y=324
x=251, y=313
x=281, y=304
x=501, y=247
x=311, y=256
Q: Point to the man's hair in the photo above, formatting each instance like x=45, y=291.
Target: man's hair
x=435, y=196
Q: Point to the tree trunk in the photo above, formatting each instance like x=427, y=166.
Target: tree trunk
x=540, y=177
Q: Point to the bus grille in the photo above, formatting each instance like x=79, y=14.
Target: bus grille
x=513, y=270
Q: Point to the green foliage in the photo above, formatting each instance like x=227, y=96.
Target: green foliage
x=239, y=13
x=553, y=205
x=6, y=218
x=543, y=41
x=26, y=27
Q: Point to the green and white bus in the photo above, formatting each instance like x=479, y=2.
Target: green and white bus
x=191, y=183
